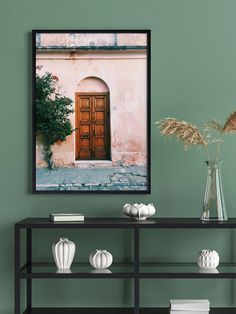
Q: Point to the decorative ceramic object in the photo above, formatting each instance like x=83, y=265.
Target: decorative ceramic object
x=139, y=211
x=100, y=259
x=101, y=271
x=64, y=271
x=63, y=253
x=207, y=259
x=208, y=271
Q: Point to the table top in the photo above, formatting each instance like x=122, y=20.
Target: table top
x=161, y=223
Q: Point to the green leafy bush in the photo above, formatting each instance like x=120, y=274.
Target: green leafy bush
x=52, y=114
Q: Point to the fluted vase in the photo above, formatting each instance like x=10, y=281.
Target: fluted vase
x=214, y=202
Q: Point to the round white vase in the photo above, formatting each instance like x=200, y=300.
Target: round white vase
x=100, y=259
x=208, y=259
x=139, y=211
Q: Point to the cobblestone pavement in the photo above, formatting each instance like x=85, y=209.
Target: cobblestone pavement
x=131, y=178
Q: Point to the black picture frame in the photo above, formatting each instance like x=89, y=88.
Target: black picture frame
x=43, y=174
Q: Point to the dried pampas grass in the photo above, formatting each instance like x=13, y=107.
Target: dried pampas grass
x=228, y=128
x=213, y=125
x=188, y=133
x=192, y=136
x=230, y=124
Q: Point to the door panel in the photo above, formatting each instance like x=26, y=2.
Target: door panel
x=83, y=137
x=93, y=126
x=99, y=102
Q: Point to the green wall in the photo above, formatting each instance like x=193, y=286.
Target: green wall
x=193, y=78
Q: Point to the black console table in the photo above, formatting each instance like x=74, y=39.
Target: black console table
x=134, y=270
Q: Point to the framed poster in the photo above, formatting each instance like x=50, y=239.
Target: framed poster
x=91, y=111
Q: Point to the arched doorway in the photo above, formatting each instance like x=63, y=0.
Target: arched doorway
x=92, y=112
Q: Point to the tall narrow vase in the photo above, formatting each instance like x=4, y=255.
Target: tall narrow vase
x=214, y=203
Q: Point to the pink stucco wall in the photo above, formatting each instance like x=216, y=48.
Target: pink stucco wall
x=91, y=39
x=124, y=72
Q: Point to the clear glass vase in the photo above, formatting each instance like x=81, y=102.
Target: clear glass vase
x=214, y=203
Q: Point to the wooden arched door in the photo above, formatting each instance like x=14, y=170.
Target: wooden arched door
x=92, y=126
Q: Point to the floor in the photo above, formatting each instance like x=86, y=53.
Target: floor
x=122, y=178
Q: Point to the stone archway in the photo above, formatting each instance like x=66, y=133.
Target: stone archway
x=92, y=120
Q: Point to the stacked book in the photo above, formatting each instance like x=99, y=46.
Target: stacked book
x=189, y=306
x=66, y=217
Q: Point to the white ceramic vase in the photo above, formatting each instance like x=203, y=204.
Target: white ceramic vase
x=63, y=253
x=139, y=211
x=101, y=271
x=100, y=259
x=208, y=271
x=208, y=260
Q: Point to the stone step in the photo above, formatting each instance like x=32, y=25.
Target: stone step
x=93, y=164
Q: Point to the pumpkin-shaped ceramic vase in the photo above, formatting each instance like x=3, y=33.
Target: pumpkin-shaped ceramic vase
x=139, y=211
x=207, y=259
x=100, y=259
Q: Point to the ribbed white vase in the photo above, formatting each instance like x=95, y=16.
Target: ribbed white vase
x=63, y=253
x=207, y=259
x=139, y=211
x=100, y=259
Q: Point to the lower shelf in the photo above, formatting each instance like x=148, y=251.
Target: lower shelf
x=147, y=270
x=116, y=311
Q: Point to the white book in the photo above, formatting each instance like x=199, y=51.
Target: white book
x=189, y=312
x=66, y=217
x=189, y=305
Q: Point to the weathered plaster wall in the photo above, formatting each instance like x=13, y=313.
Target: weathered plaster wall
x=125, y=75
x=74, y=39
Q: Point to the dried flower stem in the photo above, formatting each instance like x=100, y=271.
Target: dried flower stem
x=207, y=152
x=187, y=132
x=218, y=148
x=228, y=128
x=230, y=124
x=190, y=135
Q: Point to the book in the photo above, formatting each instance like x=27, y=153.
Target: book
x=189, y=305
x=189, y=312
x=66, y=217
